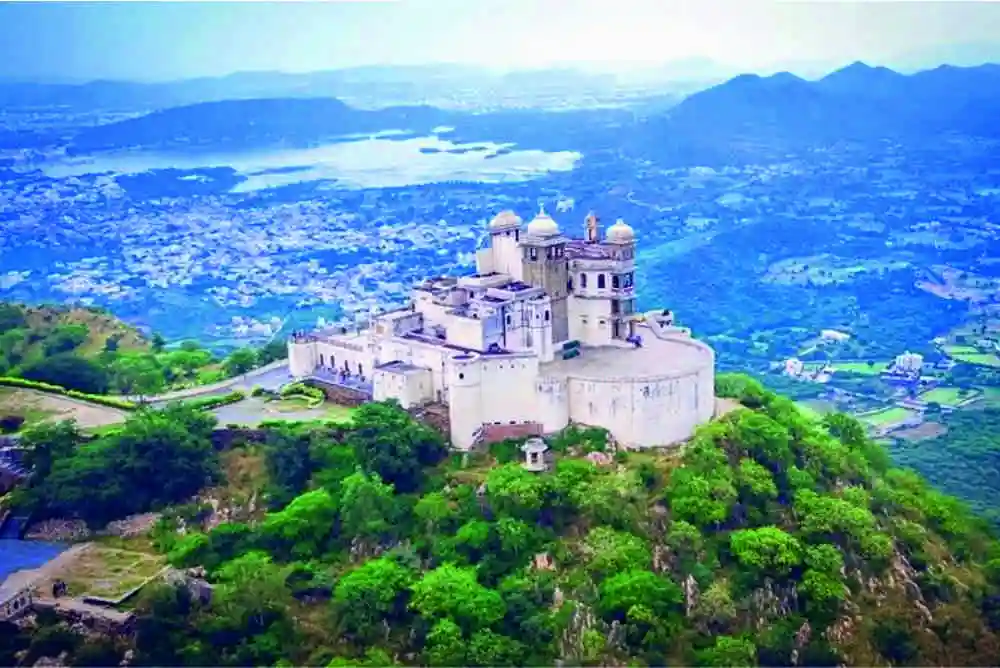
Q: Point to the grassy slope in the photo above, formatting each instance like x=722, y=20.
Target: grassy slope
x=43, y=319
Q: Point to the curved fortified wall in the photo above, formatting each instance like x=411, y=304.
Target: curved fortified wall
x=655, y=396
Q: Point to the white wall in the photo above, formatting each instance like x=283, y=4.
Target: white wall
x=484, y=261
x=410, y=388
x=301, y=358
x=425, y=355
x=508, y=389
x=539, y=314
x=585, y=318
x=464, y=399
x=465, y=332
x=552, y=397
x=645, y=413
x=507, y=253
x=333, y=356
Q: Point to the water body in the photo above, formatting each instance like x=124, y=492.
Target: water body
x=16, y=555
x=377, y=161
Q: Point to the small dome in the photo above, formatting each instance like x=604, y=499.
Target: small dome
x=505, y=220
x=543, y=226
x=620, y=233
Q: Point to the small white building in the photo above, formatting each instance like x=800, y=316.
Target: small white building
x=535, y=450
x=834, y=335
x=545, y=333
x=794, y=367
x=908, y=363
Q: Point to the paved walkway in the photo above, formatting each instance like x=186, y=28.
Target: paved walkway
x=271, y=376
x=251, y=412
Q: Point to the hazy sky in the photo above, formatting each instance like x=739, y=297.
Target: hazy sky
x=137, y=40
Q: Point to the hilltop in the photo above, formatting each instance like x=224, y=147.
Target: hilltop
x=89, y=350
x=769, y=539
x=28, y=333
x=855, y=103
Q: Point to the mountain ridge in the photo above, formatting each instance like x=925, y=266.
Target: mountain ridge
x=855, y=103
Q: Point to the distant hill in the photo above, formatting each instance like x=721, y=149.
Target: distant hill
x=143, y=96
x=858, y=102
x=252, y=124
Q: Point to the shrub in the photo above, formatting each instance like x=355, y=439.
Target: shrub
x=10, y=423
x=215, y=401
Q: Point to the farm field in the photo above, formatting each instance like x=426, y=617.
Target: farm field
x=946, y=396
x=887, y=416
x=972, y=355
x=861, y=368
x=923, y=432
x=825, y=270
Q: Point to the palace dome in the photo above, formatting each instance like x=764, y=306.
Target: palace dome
x=620, y=233
x=505, y=220
x=543, y=226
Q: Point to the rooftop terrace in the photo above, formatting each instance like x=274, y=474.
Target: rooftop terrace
x=655, y=359
x=585, y=250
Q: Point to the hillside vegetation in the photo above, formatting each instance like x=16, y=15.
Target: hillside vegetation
x=90, y=351
x=770, y=539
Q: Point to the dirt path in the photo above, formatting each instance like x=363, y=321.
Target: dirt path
x=54, y=407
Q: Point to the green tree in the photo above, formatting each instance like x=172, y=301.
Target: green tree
x=730, y=652
x=703, y=500
x=138, y=374
x=303, y=528
x=624, y=593
x=514, y=491
x=65, y=338
x=155, y=457
x=488, y=648
x=452, y=592
x=240, y=361
x=366, y=507
x=387, y=441
x=71, y=371
x=445, y=645
x=611, y=551
x=374, y=592
x=769, y=550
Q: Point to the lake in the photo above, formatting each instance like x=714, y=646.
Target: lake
x=16, y=555
x=377, y=161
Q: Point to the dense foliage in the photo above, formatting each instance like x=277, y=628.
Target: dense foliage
x=155, y=458
x=769, y=539
x=89, y=351
x=965, y=461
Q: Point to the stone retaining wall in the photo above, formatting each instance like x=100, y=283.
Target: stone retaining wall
x=338, y=394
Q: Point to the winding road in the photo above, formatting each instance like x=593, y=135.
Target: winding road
x=270, y=377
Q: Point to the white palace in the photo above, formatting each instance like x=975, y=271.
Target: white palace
x=544, y=334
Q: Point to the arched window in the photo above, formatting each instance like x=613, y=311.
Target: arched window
x=583, y=280
x=547, y=316
x=600, y=281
